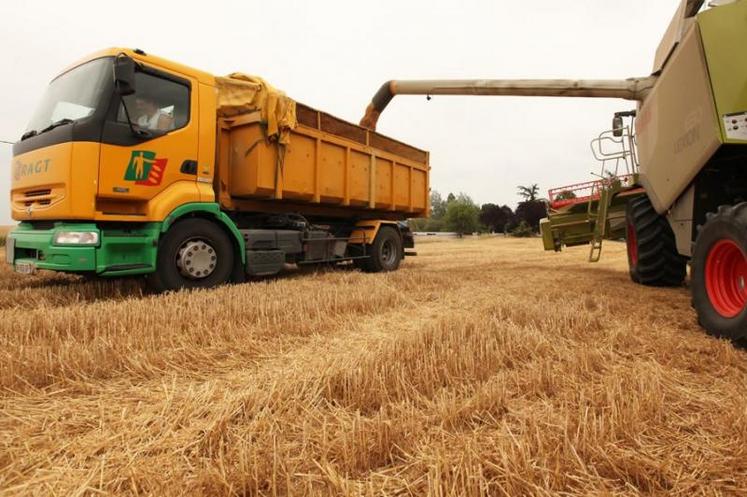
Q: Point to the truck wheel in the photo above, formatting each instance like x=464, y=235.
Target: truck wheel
x=653, y=259
x=719, y=273
x=385, y=252
x=194, y=253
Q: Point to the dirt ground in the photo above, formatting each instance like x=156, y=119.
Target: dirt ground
x=481, y=367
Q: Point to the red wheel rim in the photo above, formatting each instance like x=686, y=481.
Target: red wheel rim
x=632, y=243
x=725, y=278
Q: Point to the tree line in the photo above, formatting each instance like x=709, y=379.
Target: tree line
x=459, y=213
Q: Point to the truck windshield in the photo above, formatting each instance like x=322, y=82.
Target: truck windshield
x=72, y=95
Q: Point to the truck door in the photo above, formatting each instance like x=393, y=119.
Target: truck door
x=135, y=166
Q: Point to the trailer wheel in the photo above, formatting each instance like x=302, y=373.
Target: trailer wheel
x=653, y=259
x=719, y=273
x=385, y=252
x=194, y=253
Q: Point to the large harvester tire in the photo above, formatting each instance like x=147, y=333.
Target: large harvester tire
x=385, y=253
x=652, y=251
x=193, y=253
x=719, y=273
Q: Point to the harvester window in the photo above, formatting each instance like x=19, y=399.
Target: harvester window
x=158, y=104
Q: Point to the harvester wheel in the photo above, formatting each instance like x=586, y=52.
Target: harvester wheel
x=194, y=253
x=652, y=251
x=385, y=252
x=719, y=273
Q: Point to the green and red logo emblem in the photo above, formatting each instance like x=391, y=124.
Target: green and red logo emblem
x=145, y=168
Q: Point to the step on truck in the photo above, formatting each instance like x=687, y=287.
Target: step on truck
x=136, y=165
x=690, y=132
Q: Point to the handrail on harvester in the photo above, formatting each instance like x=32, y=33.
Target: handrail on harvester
x=580, y=193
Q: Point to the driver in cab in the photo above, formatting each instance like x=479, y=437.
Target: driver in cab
x=151, y=117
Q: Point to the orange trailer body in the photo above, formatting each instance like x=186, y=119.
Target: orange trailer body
x=329, y=166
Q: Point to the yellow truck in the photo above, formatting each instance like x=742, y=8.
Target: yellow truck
x=136, y=165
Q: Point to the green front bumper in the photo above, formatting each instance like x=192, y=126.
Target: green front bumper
x=122, y=250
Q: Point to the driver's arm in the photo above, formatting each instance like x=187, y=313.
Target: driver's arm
x=165, y=123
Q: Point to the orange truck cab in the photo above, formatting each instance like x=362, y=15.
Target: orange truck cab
x=129, y=167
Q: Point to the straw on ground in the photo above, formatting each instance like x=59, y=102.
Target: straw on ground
x=482, y=367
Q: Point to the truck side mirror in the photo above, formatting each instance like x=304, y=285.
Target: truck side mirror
x=124, y=75
x=617, y=126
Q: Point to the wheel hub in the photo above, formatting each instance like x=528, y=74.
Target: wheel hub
x=196, y=259
x=725, y=276
x=388, y=252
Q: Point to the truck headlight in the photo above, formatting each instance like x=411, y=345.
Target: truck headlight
x=76, y=238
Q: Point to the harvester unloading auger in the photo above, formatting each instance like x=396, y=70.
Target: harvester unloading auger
x=686, y=199
x=628, y=89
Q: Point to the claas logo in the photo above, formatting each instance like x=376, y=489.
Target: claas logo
x=145, y=168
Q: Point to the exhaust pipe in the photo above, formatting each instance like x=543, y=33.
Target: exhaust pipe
x=628, y=89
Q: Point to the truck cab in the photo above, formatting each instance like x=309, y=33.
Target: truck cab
x=90, y=174
x=79, y=157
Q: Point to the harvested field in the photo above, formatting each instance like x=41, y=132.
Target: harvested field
x=482, y=367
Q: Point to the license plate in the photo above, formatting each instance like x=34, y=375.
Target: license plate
x=25, y=267
x=10, y=250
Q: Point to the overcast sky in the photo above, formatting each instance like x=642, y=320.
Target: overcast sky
x=333, y=55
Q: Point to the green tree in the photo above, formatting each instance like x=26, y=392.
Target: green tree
x=434, y=225
x=532, y=209
x=438, y=205
x=435, y=222
x=565, y=195
x=417, y=224
x=495, y=217
x=523, y=230
x=529, y=193
x=462, y=215
x=531, y=212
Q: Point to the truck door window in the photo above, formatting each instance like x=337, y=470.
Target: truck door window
x=158, y=104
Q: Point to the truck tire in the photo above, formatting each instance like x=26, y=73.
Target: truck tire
x=385, y=252
x=194, y=253
x=719, y=273
x=653, y=259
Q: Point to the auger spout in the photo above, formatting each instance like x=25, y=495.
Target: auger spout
x=628, y=89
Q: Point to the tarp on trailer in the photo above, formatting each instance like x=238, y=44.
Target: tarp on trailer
x=240, y=93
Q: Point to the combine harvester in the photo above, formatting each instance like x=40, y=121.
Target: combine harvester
x=683, y=195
